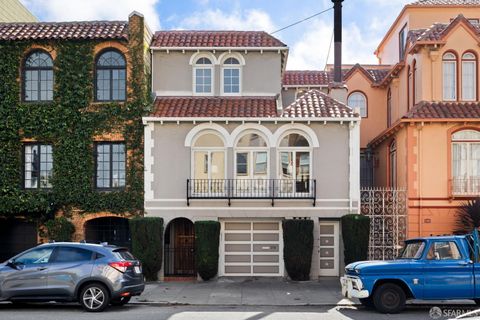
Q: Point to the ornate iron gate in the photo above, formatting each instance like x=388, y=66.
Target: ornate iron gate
x=387, y=210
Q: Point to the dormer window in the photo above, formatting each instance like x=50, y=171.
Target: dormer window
x=203, y=76
x=231, y=73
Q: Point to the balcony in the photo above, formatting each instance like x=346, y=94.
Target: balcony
x=469, y=187
x=268, y=189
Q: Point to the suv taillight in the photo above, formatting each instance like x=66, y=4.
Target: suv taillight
x=121, y=265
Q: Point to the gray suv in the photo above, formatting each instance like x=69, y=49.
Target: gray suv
x=95, y=275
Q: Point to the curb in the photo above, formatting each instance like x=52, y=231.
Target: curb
x=166, y=303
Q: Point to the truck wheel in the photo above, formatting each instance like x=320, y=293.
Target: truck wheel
x=389, y=298
x=477, y=301
x=367, y=302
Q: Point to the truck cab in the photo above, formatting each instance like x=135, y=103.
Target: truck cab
x=428, y=268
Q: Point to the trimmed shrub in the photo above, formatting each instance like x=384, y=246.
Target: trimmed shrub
x=356, y=234
x=297, y=248
x=59, y=229
x=147, y=244
x=207, y=238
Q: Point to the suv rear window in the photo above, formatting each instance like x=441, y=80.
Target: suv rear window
x=123, y=254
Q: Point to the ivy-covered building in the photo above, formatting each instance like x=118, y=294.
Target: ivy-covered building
x=72, y=95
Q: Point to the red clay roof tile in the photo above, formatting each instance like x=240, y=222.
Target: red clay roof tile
x=307, y=78
x=445, y=3
x=444, y=110
x=196, y=38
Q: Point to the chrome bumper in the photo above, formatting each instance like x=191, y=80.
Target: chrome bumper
x=352, y=287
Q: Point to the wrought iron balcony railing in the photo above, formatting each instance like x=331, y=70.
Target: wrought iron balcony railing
x=270, y=189
x=465, y=187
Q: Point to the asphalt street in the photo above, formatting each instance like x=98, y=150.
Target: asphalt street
x=160, y=312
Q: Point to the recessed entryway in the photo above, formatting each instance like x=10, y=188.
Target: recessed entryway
x=251, y=248
x=16, y=235
x=329, y=248
x=180, y=249
x=113, y=230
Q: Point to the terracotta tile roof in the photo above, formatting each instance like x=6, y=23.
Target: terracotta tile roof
x=64, y=30
x=316, y=104
x=445, y=3
x=195, y=38
x=307, y=78
x=213, y=107
x=378, y=74
x=444, y=110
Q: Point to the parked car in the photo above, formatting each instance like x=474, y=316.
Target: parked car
x=430, y=268
x=92, y=274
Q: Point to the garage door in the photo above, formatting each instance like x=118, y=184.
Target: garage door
x=15, y=237
x=251, y=248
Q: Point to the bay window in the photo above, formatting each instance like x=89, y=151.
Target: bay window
x=466, y=162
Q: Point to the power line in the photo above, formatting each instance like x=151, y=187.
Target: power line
x=329, y=48
x=303, y=20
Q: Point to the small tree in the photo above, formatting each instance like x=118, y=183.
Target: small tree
x=356, y=234
x=147, y=244
x=297, y=248
x=59, y=229
x=468, y=217
x=207, y=238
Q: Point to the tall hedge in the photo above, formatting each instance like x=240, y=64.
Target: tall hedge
x=147, y=244
x=356, y=234
x=207, y=238
x=297, y=248
x=59, y=229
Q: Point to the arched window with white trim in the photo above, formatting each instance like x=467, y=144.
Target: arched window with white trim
x=469, y=77
x=466, y=162
x=203, y=76
x=231, y=76
x=208, y=163
x=358, y=100
x=295, y=163
x=251, y=164
x=449, y=76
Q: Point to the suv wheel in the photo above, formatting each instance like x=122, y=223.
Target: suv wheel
x=94, y=297
x=120, y=301
x=389, y=298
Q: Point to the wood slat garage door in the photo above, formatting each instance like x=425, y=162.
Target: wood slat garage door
x=251, y=248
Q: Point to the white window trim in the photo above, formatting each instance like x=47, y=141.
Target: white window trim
x=222, y=80
x=194, y=80
x=474, y=80
x=455, y=88
x=359, y=109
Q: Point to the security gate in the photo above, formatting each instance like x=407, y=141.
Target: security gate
x=387, y=210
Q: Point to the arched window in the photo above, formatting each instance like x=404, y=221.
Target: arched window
x=469, y=76
x=358, y=100
x=38, y=77
x=392, y=163
x=466, y=162
x=295, y=163
x=415, y=82
x=208, y=163
x=251, y=164
x=449, y=76
x=111, y=76
x=389, y=107
x=203, y=76
x=409, y=87
x=231, y=76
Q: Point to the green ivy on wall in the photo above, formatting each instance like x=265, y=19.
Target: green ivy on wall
x=69, y=123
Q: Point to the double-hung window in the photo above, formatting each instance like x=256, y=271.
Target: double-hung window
x=38, y=166
x=203, y=76
x=466, y=162
x=469, y=77
x=231, y=76
x=449, y=77
x=110, y=165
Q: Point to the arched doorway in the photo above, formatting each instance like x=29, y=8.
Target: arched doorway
x=114, y=230
x=180, y=248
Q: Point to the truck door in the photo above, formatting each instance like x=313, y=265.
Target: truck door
x=475, y=256
x=448, y=273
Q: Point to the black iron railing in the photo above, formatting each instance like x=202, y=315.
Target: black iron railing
x=179, y=261
x=270, y=189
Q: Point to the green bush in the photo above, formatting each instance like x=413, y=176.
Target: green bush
x=147, y=244
x=59, y=229
x=297, y=249
x=356, y=234
x=207, y=238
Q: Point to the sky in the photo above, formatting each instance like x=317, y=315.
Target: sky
x=364, y=21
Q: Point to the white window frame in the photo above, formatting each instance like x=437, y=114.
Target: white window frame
x=239, y=67
x=294, y=150
x=467, y=61
x=209, y=151
x=365, y=115
x=455, y=75
x=195, y=67
x=468, y=142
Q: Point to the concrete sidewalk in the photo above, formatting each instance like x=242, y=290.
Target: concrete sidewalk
x=246, y=291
